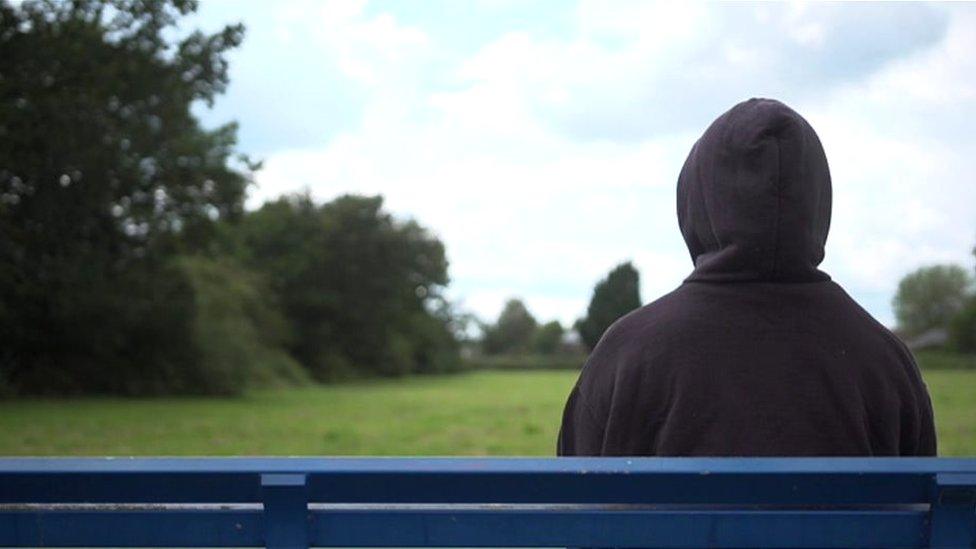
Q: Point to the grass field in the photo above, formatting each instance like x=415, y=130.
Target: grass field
x=479, y=413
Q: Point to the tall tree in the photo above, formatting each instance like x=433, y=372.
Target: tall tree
x=613, y=297
x=930, y=297
x=513, y=332
x=104, y=175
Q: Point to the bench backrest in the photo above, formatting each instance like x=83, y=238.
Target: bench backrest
x=452, y=502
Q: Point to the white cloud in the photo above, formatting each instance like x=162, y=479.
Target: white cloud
x=367, y=49
x=543, y=160
x=903, y=193
x=637, y=70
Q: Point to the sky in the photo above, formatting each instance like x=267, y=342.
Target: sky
x=541, y=140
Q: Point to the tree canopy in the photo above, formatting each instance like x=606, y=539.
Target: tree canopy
x=105, y=175
x=930, y=297
x=513, y=332
x=360, y=288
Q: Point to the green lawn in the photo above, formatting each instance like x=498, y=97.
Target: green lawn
x=498, y=413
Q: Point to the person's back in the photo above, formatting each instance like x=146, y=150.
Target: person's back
x=757, y=352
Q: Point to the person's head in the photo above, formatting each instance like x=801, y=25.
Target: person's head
x=754, y=197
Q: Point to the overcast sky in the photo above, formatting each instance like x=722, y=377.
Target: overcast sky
x=541, y=141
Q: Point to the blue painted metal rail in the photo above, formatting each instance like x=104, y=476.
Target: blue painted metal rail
x=445, y=502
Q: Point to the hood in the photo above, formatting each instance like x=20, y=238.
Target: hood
x=754, y=197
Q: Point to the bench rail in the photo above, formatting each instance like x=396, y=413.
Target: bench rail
x=505, y=502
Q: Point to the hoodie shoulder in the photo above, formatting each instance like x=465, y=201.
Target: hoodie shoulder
x=624, y=351
x=636, y=323
x=669, y=315
x=890, y=340
x=872, y=324
x=697, y=315
x=638, y=333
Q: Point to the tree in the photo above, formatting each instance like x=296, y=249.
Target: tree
x=962, y=328
x=240, y=334
x=105, y=177
x=613, y=297
x=548, y=338
x=361, y=290
x=512, y=332
x=930, y=297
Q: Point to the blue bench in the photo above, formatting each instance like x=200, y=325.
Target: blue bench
x=447, y=502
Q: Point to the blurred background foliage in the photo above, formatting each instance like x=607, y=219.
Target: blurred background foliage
x=935, y=307
x=106, y=180
x=129, y=265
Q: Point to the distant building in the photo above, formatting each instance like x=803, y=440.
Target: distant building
x=936, y=337
x=572, y=343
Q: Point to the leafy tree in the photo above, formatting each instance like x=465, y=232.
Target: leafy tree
x=361, y=290
x=512, y=332
x=105, y=176
x=613, y=297
x=548, y=338
x=962, y=328
x=930, y=297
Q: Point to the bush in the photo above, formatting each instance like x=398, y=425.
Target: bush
x=548, y=338
x=192, y=325
x=435, y=348
x=962, y=328
x=239, y=336
x=98, y=330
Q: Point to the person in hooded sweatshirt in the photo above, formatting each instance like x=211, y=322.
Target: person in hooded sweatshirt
x=758, y=352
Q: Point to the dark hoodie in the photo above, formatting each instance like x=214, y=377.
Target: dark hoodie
x=757, y=353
